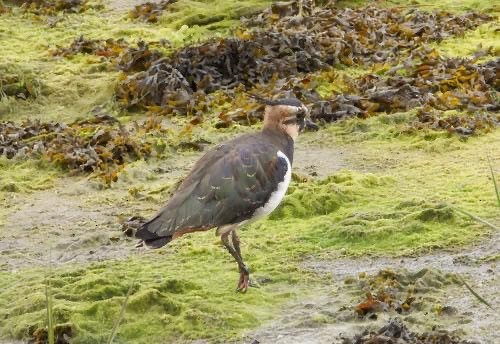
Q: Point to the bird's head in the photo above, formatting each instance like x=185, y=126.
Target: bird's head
x=286, y=114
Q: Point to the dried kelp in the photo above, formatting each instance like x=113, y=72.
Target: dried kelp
x=62, y=334
x=48, y=7
x=149, y=11
x=18, y=85
x=100, y=145
x=276, y=58
x=464, y=124
x=217, y=65
x=124, y=56
x=398, y=291
x=395, y=331
x=402, y=292
x=444, y=83
x=99, y=47
x=136, y=59
x=388, y=290
x=425, y=79
x=368, y=34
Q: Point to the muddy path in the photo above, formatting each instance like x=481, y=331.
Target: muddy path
x=78, y=222
x=125, y=5
x=329, y=316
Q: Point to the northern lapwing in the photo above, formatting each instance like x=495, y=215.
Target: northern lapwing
x=236, y=183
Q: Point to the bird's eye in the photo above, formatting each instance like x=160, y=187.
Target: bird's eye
x=300, y=114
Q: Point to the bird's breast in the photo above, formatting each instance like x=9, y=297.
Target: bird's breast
x=276, y=196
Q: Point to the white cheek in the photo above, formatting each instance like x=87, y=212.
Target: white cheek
x=293, y=131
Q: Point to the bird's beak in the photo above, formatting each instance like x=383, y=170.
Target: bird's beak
x=310, y=125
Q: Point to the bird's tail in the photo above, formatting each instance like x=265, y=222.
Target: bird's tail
x=149, y=238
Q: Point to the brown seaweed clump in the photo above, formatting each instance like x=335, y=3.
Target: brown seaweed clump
x=123, y=56
x=424, y=80
x=19, y=85
x=396, y=332
x=100, y=146
x=465, y=124
x=279, y=57
x=427, y=78
x=149, y=11
x=48, y=7
x=398, y=291
x=99, y=47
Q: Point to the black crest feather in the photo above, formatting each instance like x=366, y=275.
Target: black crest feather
x=283, y=101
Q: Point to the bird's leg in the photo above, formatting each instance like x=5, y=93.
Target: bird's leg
x=236, y=243
x=244, y=273
x=244, y=278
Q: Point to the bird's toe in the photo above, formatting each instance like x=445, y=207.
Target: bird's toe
x=243, y=283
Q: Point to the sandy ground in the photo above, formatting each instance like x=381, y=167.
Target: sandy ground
x=472, y=320
x=93, y=216
x=124, y=5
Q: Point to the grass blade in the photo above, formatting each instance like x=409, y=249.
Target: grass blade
x=494, y=180
x=120, y=316
x=49, y=300
x=50, y=322
x=481, y=299
x=474, y=217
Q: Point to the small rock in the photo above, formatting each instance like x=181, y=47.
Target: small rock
x=449, y=310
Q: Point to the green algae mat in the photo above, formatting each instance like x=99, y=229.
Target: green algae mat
x=105, y=107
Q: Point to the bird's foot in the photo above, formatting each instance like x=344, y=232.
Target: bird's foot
x=244, y=281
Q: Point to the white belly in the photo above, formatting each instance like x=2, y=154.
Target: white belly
x=276, y=196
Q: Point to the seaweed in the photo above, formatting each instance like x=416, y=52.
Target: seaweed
x=125, y=57
x=395, y=331
x=18, y=84
x=100, y=146
x=149, y=11
x=464, y=124
x=384, y=291
x=46, y=7
x=136, y=59
x=4, y=9
x=443, y=83
x=398, y=291
x=280, y=48
x=106, y=48
x=62, y=333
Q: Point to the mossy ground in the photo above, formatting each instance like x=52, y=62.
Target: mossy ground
x=484, y=37
x=166, y=303
x=25, y=176
x=393, y=198
x=186, y=290
x=22, y=177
